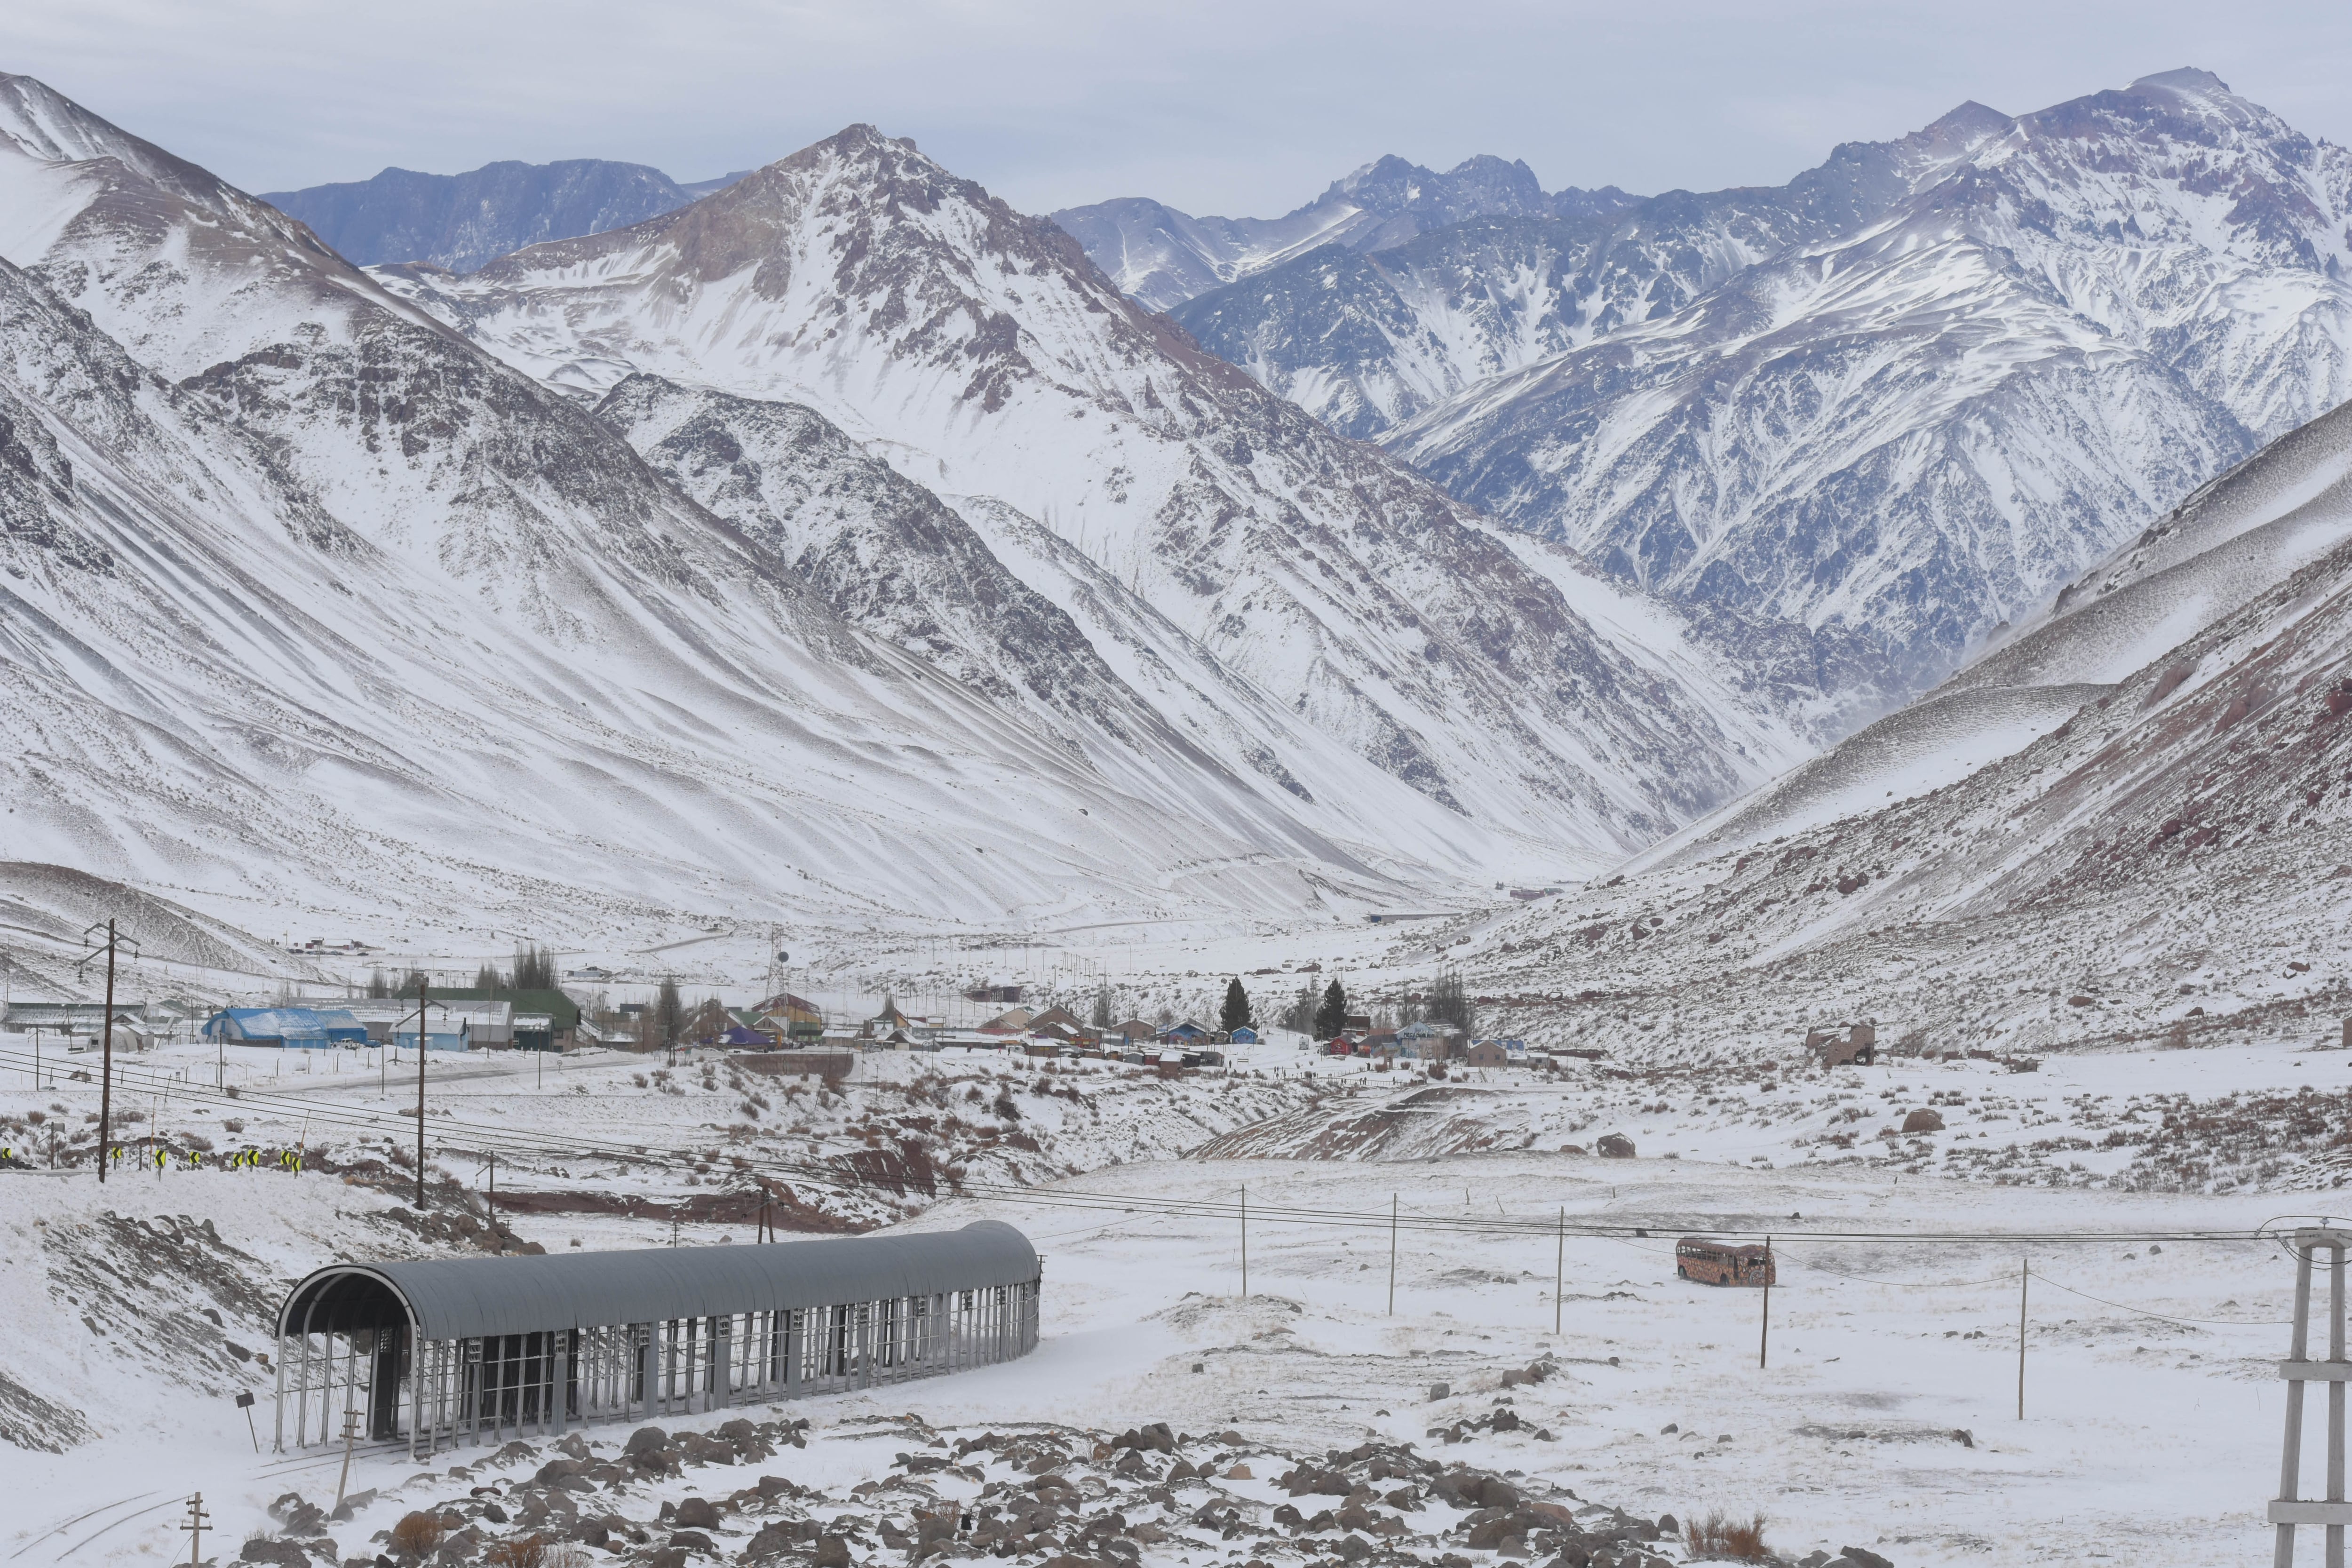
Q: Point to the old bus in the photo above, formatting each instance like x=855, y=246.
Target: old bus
x=1723, y=1263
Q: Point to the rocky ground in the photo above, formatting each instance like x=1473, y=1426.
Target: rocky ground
x=1058, y=1496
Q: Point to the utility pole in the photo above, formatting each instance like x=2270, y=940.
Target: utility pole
x=1764, y=1341
x=1244, y=1241
x=1560, y=1269
x=1393, y=1230
x=2023, y=1272
x=106, y=1069
x=420, y=1091
x=496, y=1244
x=196, y=1517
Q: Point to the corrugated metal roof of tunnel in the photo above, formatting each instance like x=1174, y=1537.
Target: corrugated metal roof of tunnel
x=440, y=1352
x=467, y=1298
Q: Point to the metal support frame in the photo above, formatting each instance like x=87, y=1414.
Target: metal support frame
x=2290, y=1510
x=483, y=1390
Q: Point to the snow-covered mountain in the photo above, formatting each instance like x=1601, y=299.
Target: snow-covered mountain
x=1162, y=257
x=1913, y=390
x=1365, y=342
x=312, y=601
x=979, y=353
x=310, y=604
x=460, y=221
x=2129, y=820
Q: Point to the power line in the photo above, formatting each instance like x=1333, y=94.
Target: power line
x=830, y=1175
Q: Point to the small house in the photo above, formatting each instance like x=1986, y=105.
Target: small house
x=441, y=1034
x=492, y=1011
x=794, y=1017
x=1244, y=1035
x=1488, y=1053
x=889, y=1019
x=1185, y=1033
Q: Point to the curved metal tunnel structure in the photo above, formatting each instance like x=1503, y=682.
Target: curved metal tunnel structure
x=439, y=1351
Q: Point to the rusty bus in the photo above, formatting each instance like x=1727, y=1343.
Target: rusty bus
x=1723, y=1263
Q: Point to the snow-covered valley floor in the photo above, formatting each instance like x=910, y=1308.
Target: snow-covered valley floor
x=2147, y=1438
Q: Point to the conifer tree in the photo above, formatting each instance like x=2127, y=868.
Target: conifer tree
x=1331, y=1015
x=1236, y=1010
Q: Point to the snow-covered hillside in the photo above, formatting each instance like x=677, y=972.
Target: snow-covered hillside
x=1160, y=258
x=2128, y=822
x=1382, y=636
x=1913, y=390
x=311, y=603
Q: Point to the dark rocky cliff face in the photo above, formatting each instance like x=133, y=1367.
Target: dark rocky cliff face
x=460, y=221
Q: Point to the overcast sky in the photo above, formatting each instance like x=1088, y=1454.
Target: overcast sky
x=1238, y=107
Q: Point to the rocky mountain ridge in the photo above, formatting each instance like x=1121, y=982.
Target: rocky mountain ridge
x=461, y=221
x=1160, y=258
x=1914, y=390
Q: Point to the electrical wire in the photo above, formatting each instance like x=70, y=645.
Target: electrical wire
x=2143, y=1311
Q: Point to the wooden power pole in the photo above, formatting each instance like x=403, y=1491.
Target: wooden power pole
x=420, y=1091
x=106, y=1064
x=106, y=1053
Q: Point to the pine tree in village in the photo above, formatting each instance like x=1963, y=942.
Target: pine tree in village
x=1332, y=1013
x=1235, y=1014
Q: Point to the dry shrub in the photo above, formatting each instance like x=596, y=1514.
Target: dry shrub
x=1715, y=1536
x=517, y=1551
x=535, y=1552
x=419, y=1533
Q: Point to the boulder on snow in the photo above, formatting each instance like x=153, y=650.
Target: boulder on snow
x=1923, y=1120
x=1615, y=1146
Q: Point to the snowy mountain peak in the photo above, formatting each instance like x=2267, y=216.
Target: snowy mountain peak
x=41, y=125
x=2187, y=82
x=1958, y=133
x=1160, y=258
x=1366, y=640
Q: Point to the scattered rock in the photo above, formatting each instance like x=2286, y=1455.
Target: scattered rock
x=1923, y=1120
x=1614, y=1146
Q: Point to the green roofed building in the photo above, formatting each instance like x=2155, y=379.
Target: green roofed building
x=561, y=1012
